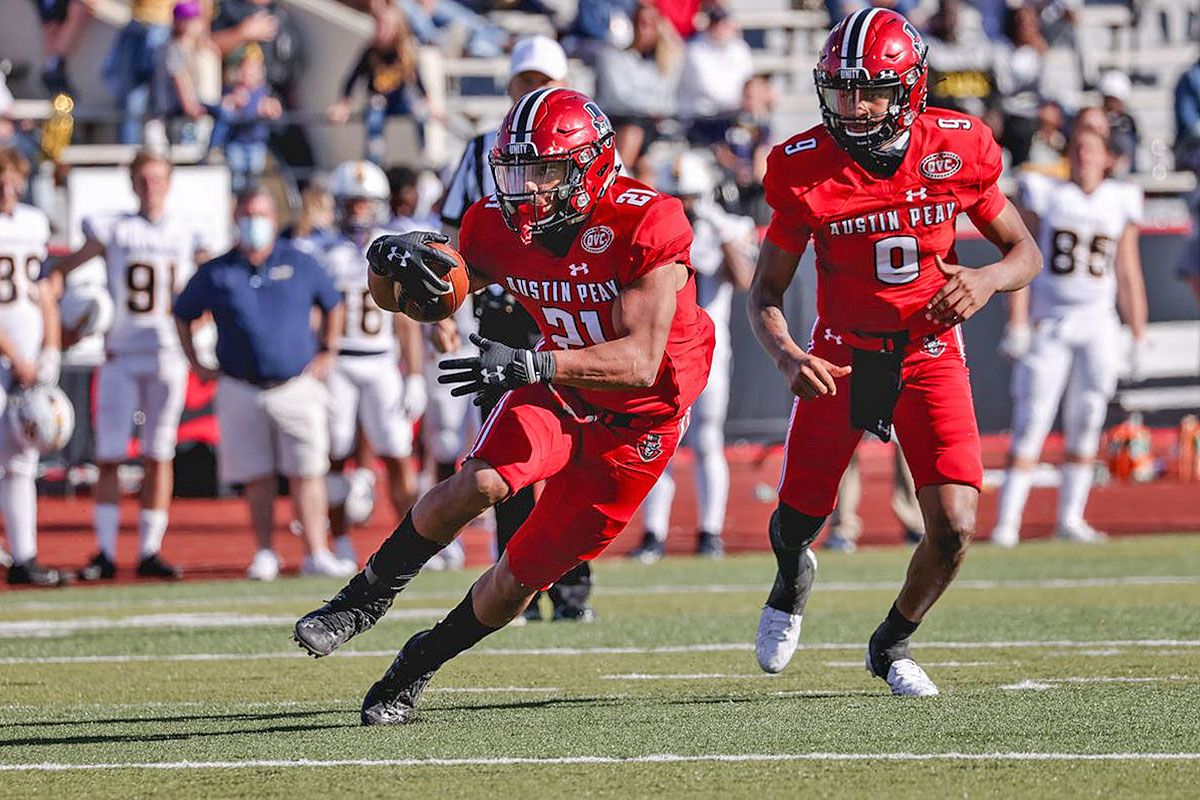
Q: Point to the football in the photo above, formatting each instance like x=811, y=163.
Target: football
x=444, y=305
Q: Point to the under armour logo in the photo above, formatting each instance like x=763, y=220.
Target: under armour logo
x=915, y=194
x=577, y=269
x=490, y=378
x=830, y=336
x=403, y=258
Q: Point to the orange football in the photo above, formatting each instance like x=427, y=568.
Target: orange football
x=444, y=305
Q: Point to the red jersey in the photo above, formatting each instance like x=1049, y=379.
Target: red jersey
x=572, y=297
x=876, y=237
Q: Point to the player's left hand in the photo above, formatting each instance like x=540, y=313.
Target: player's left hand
x=416, y=398
x=49, y=365
x=497, y=369
x=964, y=293
x=321, y=365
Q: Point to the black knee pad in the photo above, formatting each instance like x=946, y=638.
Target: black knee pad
x=792, y=530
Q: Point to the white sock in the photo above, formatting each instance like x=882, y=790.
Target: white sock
x=1073, y=493
x=712, y=472
x=152, y=527
x=18, y=500
x=1017, y=483
x=106, y=517
x=656, y=508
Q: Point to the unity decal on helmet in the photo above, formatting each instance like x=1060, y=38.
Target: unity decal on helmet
x=597, y=239
x=941, y=165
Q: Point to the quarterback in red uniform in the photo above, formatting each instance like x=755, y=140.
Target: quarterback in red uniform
x=877, y=188
x=602, y=263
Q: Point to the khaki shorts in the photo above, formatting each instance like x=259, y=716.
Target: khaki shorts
x=267, y=431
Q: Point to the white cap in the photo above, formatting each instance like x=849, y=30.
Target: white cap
x=6, y=98
x=1115, y=84
x=538, y=54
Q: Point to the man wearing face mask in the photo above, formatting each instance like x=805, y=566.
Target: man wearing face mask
x=271, y=399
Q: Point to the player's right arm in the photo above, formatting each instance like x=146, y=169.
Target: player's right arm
x=807, y=375
x=91, y=248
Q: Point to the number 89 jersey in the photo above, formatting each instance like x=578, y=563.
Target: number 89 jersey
x=147, y=263
x=23, y=237
x=876, y=237
x=1078, y=235
x=573, y=295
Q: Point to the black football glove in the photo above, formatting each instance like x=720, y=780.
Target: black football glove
x=496, y=369
x=409, y=261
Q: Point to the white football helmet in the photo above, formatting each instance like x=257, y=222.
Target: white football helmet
x=359, y=180
x=89, y=308
x=41, y=417
x=689, y=175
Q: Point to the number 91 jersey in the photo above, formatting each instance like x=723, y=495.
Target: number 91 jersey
x=147, y=264
x=1078, y=235
x=876, y=237
x=573, y=295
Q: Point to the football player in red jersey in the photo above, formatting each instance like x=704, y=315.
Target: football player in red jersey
x=602, y=263
x=877, y=187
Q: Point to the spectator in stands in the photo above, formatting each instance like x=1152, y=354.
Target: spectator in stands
x=1187, y=156
x=1056, y=19
x=840, y=9
x=636, y=86
x=681, y=14
x=992, y=14
x=1048, y=146
x=716, y=66
x=404, y=186
x=271, y=26
x=961, y=60
x=188, y=75
x=271, y=396
x=1115, y=88
x=388, y=65
x=242, y=127
x=1018, y=78
x=435, y=22
x=63, y=22
x=314, y=232
x=129, y=69
x=743, y=149
x=598, y=23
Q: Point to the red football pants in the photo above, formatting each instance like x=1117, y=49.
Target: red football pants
x=934, y=421
x=596, y=477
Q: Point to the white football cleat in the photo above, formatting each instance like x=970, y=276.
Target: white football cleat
x=264, y=567
x=1005, y=537
x=343, y=549
x=326, y=564
x=907, y=679
x=1080, y=532
x=777, y=639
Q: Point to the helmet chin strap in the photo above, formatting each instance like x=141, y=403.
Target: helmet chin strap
x=885, y=159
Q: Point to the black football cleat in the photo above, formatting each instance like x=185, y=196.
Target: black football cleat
x=392, y=700
x=356, y=608
x=651, y=550
x=98, y=569
x=709, y=545
x=32, y=573
x=154, y=567
x=575, y=613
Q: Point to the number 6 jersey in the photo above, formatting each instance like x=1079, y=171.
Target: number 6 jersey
x=147, y=264
x=572, y=296
x=1078, y=235
x=876, y=237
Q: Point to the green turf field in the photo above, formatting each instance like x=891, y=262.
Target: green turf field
x=1043, y=654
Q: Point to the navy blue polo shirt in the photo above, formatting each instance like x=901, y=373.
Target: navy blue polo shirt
x=262, y=315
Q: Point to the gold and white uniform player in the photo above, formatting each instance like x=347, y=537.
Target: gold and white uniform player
x=1068, y=347
x=149, y=256
x=28, y=355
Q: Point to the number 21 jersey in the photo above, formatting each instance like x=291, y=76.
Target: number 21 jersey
x=147, y=264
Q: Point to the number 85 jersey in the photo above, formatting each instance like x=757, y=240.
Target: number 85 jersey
x=1078, y=235
x=573, y=295
x=876, y=237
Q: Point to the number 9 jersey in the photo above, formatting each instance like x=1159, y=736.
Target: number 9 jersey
x=1078, y=235
x=876, y=237
x=147, y=264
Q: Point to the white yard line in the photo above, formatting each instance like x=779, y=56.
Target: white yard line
x=617, y=591
x=656, y=758
x=1042, y=684
x=592, y=651
x=683, y=676
x=946, y=664
x=52, y=628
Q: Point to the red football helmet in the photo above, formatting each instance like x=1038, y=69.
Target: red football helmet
x=873, y=55
x=552, y=161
